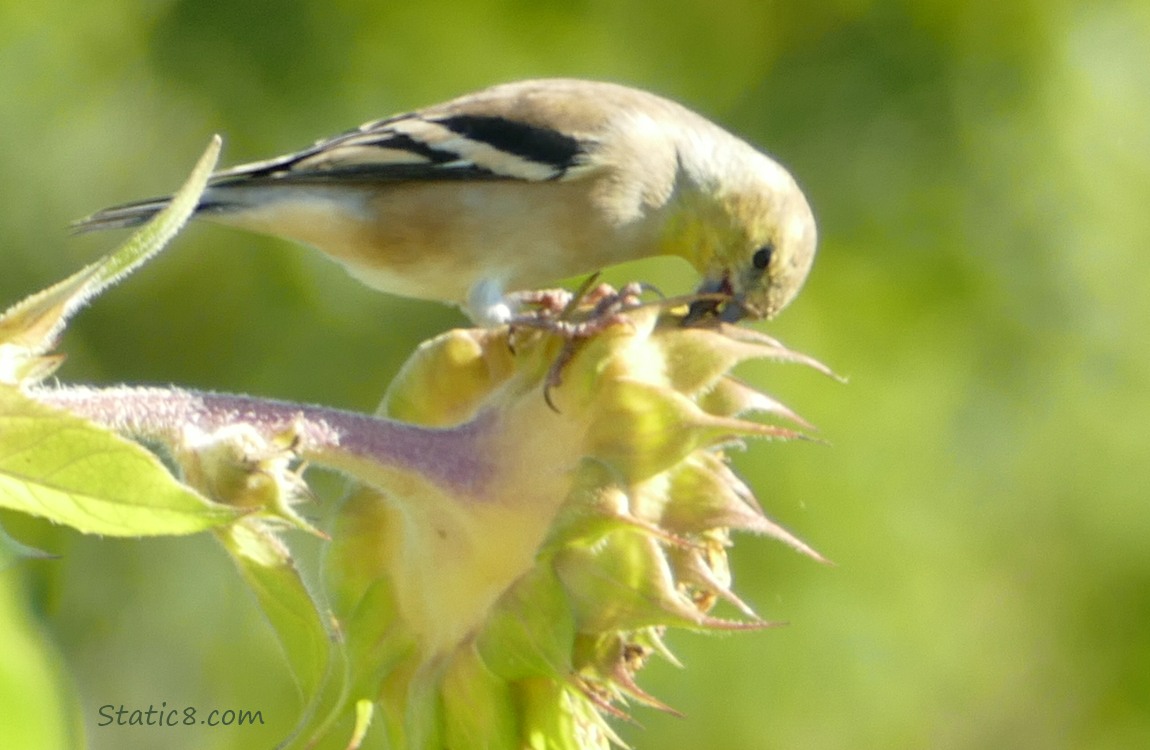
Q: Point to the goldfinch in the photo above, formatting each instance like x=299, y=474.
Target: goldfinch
x=521, y=185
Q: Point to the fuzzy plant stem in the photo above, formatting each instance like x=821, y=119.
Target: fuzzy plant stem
x=356, y=443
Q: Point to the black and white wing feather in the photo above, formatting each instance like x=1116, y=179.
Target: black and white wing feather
x=442, y=143
x=429, y=147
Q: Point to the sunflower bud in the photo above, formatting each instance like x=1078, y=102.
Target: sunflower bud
x=584, y=508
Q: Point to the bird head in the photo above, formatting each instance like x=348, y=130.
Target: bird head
x=764, y=260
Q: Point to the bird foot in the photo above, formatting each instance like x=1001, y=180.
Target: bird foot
x=575, y=316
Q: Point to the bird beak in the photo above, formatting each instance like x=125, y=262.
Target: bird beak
x=734, y=311
x=700, y=309
x=705, y=308
x=721, y=302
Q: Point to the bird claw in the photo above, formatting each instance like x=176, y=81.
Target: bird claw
x=593, y=308
x=575, y=317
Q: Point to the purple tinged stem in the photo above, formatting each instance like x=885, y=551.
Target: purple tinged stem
x=342, y=440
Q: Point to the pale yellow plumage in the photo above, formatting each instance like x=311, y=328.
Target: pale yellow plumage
x=518, y=186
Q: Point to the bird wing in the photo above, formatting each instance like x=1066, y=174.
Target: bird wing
x=444, y=143
x=532, y=131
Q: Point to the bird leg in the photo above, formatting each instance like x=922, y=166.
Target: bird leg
x=575, y=316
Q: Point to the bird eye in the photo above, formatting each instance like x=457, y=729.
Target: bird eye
x=762, y=256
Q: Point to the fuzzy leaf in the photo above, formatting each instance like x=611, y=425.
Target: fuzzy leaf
x=60, y=467
x=270, y=572
x=32, y=324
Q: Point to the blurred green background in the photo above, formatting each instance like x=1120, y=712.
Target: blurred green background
x=981, y=173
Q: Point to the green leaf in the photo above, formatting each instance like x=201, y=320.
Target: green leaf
x=57, y=466
x=479, y=708
x=267, y=567
x=31, y=325
x=531, y=630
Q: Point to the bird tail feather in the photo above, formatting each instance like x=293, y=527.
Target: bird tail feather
x=120, y=217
